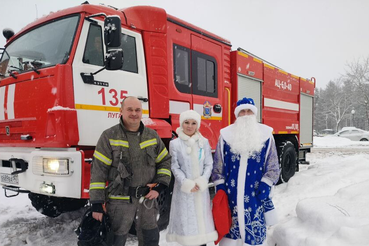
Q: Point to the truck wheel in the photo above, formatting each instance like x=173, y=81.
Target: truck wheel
x=287, y=160
x=165, y=197
x=164, y=202
x=54, y=206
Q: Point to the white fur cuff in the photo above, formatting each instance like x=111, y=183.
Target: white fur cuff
x=271, y=217
x=187, y=185
x=267, y=181
x=202, y=183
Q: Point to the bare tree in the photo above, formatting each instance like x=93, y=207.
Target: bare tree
x=320, y=116
x=337, y=103
x=345, y=98
x=358, y=76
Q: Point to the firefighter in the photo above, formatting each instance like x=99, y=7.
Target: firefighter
x=245, y=168
x=134, y=162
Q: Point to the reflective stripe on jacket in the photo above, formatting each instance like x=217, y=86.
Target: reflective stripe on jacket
x=150, y=165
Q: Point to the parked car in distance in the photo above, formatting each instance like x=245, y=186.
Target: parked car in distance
x=353, y=133
x=327, y=132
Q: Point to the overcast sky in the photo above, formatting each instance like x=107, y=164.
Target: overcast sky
x=308, y=38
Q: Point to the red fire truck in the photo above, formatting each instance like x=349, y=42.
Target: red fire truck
x=62, y=83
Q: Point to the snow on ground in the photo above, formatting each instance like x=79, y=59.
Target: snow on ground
x=331, y=141
x=324, y=204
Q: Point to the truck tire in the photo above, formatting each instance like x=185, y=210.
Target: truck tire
x=165, y=197
x=287, y=160
x=164, y=202
x=54, y=206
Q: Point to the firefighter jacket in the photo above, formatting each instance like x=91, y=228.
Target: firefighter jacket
x=127, y=159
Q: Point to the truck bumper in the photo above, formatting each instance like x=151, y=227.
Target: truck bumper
x=26, y=168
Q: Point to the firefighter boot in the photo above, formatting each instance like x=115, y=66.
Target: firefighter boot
x=120, y=240
x=151, y=237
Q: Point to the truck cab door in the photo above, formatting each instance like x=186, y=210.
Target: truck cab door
x=207, y=84
x=98, y=102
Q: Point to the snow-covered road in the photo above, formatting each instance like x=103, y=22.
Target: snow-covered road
x=324, y=204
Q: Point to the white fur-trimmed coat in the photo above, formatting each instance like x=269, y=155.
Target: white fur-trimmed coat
x=191, y=221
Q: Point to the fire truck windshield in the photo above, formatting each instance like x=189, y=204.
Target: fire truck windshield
x=44, y=46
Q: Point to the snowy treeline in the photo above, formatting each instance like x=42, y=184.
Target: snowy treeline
x=345, y=100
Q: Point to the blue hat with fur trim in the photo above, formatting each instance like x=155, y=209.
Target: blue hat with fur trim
x=245, y=103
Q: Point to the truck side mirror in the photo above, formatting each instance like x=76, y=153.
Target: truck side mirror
x=112, y=31
x=114, y=59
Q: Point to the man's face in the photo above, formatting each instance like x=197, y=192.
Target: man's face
x=131, y=112
x=244, y=112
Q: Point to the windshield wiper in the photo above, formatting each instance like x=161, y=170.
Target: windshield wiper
x=16, y=68
x=36, y=63
x=35, y=70
x=33, y=65
x=12, y=74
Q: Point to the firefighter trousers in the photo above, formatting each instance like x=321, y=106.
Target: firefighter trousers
x=143, y=215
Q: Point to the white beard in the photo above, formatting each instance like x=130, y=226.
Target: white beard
x=246, y=139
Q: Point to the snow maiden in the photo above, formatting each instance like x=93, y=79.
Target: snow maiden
x=191, y=221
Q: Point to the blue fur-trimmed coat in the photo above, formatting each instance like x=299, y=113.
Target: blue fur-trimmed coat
x=240, y=177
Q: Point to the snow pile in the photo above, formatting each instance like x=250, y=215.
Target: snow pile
x=60, y=108
x=335, y=142
x=332, y=141
x=326, y=204
x=21, y=224
x=342, y=219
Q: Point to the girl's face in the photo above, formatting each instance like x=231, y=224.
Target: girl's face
x=189, y=127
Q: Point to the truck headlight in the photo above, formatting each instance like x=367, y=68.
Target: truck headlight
x=56, y=166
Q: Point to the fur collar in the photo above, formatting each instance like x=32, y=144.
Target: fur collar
x=190, y=141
